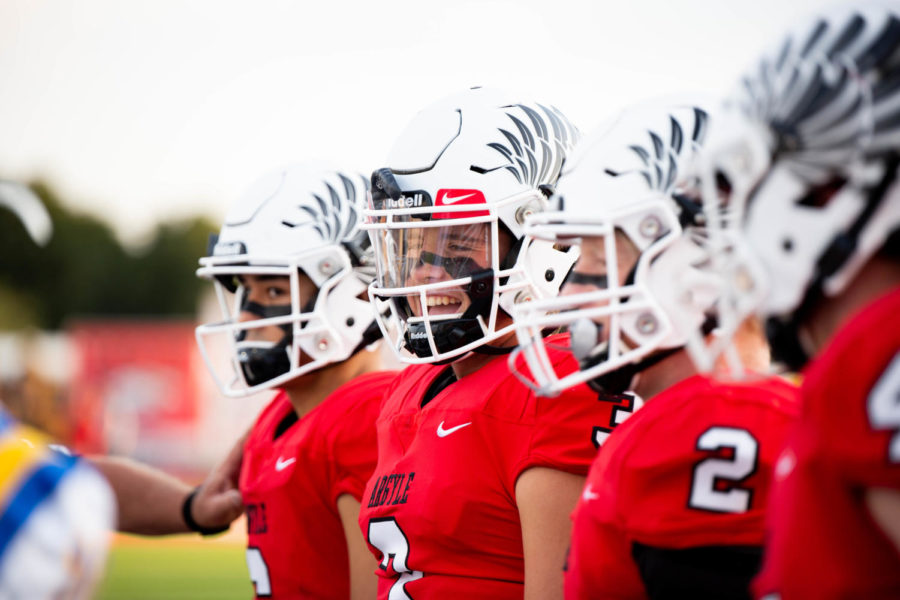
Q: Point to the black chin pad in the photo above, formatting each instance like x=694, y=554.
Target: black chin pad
x=259, y=365
x=451, y=334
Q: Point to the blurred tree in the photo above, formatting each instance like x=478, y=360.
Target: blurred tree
x=84, y=270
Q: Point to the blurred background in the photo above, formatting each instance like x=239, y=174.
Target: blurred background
x=138, y=123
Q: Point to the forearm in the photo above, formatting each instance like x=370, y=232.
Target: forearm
x=363, y=581
x=546, y=527
x=884, y=506
x=149, y=500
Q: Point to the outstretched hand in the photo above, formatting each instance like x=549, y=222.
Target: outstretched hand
x=218, y=501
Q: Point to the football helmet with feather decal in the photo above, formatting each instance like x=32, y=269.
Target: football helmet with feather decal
x=446, y=219
x=299, y=224
x=810, y=154
x=636, y=294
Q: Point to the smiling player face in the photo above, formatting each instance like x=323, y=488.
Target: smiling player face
x=431, y=256
x=443, y=254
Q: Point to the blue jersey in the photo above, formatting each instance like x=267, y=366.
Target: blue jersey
x=55, y=517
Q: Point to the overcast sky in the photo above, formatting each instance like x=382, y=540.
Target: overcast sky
x=145, y=111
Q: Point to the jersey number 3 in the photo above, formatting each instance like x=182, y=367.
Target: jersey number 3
x=259, y=572
x=715, y=482
x=386, y=535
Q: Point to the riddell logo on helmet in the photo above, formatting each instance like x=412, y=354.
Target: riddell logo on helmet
x=229, y=249
x=411, y=199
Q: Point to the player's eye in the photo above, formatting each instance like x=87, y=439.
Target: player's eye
x=273, y=293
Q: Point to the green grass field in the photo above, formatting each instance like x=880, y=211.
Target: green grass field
x=179, y=567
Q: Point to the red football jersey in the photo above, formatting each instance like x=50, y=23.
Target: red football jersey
x=440, y=511
x=823, y=543
x=690, y=468
x=290, y=485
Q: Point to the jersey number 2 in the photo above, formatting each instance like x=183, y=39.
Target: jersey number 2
x=386, y=535
x=705, y=494
x=259, y=572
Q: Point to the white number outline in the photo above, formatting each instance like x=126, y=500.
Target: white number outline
x=883, y=407
x=385, y=534
x=736, y=470
x=259, y=572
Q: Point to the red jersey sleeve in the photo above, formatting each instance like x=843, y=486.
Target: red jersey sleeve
x=689, y=469
x=352, y=440
x=565, y=430
x=599, y=560
x=698, y=466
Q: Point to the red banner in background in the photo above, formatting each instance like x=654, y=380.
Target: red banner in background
x=135, y=391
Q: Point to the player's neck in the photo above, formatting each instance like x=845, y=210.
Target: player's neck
x=310, y=390
x=475, y=360
x=876, y=278
x=664, y=374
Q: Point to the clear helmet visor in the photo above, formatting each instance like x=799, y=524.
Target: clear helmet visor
x=439, y=277
x=442, y=258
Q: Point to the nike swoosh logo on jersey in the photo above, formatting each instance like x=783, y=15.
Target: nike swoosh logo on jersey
x=281, y=465
x=445, y=432
x=589, y=494
x=454, y=199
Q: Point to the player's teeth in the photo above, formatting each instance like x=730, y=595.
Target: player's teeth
x=439, y=301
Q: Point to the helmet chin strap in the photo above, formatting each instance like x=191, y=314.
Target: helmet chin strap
x=584, y=334
x=260, y=364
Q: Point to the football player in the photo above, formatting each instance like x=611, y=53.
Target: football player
x=476, y=475
x=813, y=157
x=149, y=501
x=290, y=268
x=674, y=504
x=56, y=511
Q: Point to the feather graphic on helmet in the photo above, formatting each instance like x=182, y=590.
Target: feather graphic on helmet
x=631, y=202
x=296, y=230
x=811, y=157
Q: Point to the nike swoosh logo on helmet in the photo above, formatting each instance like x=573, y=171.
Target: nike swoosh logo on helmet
x=454, y=199
x=445, y=432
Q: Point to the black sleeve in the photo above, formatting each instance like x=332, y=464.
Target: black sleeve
x=701, y=572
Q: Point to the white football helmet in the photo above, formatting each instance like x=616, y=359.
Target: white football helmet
x=446, y=219
x=301, y=218
x=809, y=149
x=632, y=178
